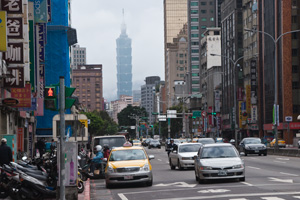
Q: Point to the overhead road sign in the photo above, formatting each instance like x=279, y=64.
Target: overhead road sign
x=171, y=113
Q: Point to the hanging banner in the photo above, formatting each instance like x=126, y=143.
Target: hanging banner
x=18, y=80
x=217, y=101
x=3, y=31
x=254, y=114
x=40, y=11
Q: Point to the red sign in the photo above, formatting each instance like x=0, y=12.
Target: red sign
x=23, y=95
x=203, y=114
x=293, y=125
x=20, y=139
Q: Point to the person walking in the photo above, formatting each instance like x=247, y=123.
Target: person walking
x=5, y=153
x=41, y=146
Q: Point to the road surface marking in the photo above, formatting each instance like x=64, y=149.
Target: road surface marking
x=283, y=158
x=249, y=184
x=281, y=180
x=272, y=198
x=296, y=197
x=253, y=167
x=178, y=184
x=233, y=195
x=278, y=161
x=159, y=159
x=238, y=199
x=214, y=191
x=288, y=174
x=122, y=196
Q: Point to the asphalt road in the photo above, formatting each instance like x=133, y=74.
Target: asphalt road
x=267, y=178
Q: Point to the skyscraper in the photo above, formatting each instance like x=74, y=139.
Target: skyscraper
x=124, y=66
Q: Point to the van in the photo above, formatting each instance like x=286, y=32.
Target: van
x=110, y=140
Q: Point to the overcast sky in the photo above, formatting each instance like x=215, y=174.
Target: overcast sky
x=98, y=25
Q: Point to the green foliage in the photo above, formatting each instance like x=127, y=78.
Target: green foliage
x=101, y=123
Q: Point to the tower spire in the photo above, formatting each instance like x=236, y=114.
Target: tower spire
x=123, y=26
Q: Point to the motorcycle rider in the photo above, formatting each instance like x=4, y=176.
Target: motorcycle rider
x=97, y=161
x=171, y=146
x=106, y=151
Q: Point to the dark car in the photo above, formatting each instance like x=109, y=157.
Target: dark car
x=252, y=145
x=146, y=142
x=154, y=144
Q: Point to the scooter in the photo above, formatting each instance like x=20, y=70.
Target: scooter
x=86, y=170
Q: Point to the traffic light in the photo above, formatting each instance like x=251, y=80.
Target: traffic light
x=68, y=100
x=50, y=98
x=213, y=113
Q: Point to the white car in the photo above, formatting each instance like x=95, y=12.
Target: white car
x=183, y=155
x=299, y=144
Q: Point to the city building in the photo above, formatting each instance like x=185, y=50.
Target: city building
x=232, y=64
x=119, y=105
x=176, y=55
x=136, y=95
x=88, y=81
x=78, y=56
x=287, y=67
x=124, y=66
x=148, y=95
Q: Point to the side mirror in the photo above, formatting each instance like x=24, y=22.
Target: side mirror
x=151, y=157
x=242, y=154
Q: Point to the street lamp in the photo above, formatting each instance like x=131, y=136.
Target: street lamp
x=234, y=62
x=275, y=74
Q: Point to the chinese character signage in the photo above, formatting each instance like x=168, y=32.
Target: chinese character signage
x=20, y=139
x=18, y=80
x=253, y=82
x=49, y=10
x=3, y=31
x=15, y=53
x=40, y=11
x=15, y=27
x=248, y=98
x=41, y=41
x=23, y=95
x=217, y=101
x=12, y=6
x=254, y=114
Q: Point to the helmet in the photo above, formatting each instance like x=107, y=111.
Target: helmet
x=98, y=148
x=3, y=140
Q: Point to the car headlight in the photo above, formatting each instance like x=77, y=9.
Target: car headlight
x=264, y=147
x=145, y=168
x=205, y=168
x=237, y=166
x=110, y=169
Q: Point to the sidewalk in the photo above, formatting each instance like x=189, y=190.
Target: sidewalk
x=95, y=190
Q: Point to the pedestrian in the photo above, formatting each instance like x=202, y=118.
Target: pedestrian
x=41, y=145
x=5, y=153
x=53, y=145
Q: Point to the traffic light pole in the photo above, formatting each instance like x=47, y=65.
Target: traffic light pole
x=62, y=136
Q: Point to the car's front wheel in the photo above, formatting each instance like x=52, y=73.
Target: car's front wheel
x=171, y=165
x=179, y=165
x=196, y=176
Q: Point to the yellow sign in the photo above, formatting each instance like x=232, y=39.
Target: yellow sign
x=248, y=99
x=84, y=122
x=3, y=31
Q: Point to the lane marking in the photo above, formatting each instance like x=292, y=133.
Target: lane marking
x=238, y=199
x=233, y=195
x=214, y=191
x=288, y=174
x=178, y=184
x=296, y=197
x=272, y=198
x=278, y=161
x=249, y=184
x=283, y=158
x=122, y=196
x=253, y=167
x=159, y=159
x=281, y=180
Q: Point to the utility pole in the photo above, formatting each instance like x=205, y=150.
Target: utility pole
x=62, y=136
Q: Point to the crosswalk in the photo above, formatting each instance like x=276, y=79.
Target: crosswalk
x=269, y=198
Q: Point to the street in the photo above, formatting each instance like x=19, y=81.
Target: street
x=267, y=177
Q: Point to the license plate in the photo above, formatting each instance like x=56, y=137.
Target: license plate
x=128, y=177
x=256, y=151
x=222, y=173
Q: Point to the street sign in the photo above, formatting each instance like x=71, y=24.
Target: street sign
x=288, y=118
x=162, y=120
x=204, y=114
x=84, y=122
x=171, y=113
x=161, y=116
x=197, y=113
x=89, y=121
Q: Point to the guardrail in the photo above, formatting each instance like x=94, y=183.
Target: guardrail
x=284, y=152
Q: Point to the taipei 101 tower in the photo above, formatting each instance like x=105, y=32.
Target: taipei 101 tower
x=124, y=66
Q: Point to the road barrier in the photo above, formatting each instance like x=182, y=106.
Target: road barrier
x=284, y=152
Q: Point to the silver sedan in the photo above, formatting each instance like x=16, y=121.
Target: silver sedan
x=218, y=161
x=183, y=155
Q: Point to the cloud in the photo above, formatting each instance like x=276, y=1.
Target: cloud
x=98, y=25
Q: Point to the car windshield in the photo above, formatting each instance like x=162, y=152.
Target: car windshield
x=218, y=152
x=206, y=141
x=253, y=141
x=133, y=154
x=176, y=141
x=135, y=141
x=189, y=148
x=110, y=141
x=183, y=140
x=155, y=141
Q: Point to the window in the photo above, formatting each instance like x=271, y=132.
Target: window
x=181, y=75
x=203, y=3
x=195, y=50
x=211, y=11
x=203, y=27
x=294, y=35
x=203, y=19
x=181, y=68
x=195, y=82
x=203, y=11
x=195, y=58
x=212, y=19
x=195, y=89
x=294, y=19
x=295, y=85
x=194, y=27
x=194, y=35
x=194, y=11
x=195, y=74
x=195, y=43
x=194, y=3
x=194, y=19
x=295, y=69
x=202, y=35
x=181, y=55
x=181, y=62
x=211, y=3
x=195, y=66
x=294, y=52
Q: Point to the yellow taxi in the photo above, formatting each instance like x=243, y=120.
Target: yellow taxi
x=194, y=140
x=128, y=164
x=281, y=143
x=136, y=143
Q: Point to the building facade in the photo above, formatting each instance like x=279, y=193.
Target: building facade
x=88, y=81
x=148, y=95
x=136, y=95
x=124, y=64
x=119, y=105
x=78, y=56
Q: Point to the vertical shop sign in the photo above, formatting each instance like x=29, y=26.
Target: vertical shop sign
x=240, y=114
x=15, y=53
x=41, y=41
x=23, y=95
x=49, y=10
x=12, y=6
x=40, y=11
x=217, y=101
x=14, y=27
x=253, y=82
x=3, y=31
x=248, y=99
x=18, y=80
x=254, y=114
x=20, y=139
